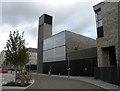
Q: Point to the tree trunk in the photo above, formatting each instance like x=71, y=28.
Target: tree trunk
x=15, y=75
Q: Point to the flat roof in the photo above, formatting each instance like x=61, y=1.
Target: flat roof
x=69, y=32
x=32, y=50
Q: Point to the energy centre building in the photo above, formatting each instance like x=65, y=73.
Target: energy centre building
x=65, y=50
x=68, y=53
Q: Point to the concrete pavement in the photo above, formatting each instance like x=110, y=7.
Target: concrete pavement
x=7, y=78
x=4, y=78
x=99, y=83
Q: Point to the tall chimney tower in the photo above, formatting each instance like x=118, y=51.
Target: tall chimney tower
x=44, y=31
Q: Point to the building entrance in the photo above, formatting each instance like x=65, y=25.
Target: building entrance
x=110, y=54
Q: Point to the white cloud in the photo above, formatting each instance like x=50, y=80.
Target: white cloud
x=73, y=15
x=3, y=38
x=55, y=1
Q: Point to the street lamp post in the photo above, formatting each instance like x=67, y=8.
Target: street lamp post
x=68, y=62
x=30, y=70
x=30, y=67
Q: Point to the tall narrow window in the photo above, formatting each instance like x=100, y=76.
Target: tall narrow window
x=98, y=18
x=99, y=23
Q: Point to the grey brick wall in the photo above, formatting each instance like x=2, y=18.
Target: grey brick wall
x=76, y=40
x=111, y=35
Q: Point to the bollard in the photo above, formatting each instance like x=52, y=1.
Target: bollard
x=59, y=74
x=11, y=71
x=49, y=73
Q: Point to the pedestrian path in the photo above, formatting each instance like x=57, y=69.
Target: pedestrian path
x=6, y=78
x=99, y=83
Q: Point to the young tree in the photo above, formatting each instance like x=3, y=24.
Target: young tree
x=16, y=53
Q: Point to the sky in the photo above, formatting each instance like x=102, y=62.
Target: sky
x=74, y=15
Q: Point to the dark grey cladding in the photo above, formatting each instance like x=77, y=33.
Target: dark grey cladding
x=32, y=50
x=84, y=54
x=45, y=19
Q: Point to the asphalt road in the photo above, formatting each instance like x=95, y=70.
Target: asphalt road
x=55, y=82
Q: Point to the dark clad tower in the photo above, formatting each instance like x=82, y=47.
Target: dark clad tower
x=44, y=31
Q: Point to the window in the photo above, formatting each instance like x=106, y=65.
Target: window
x=98, y=18
x=99, y=23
